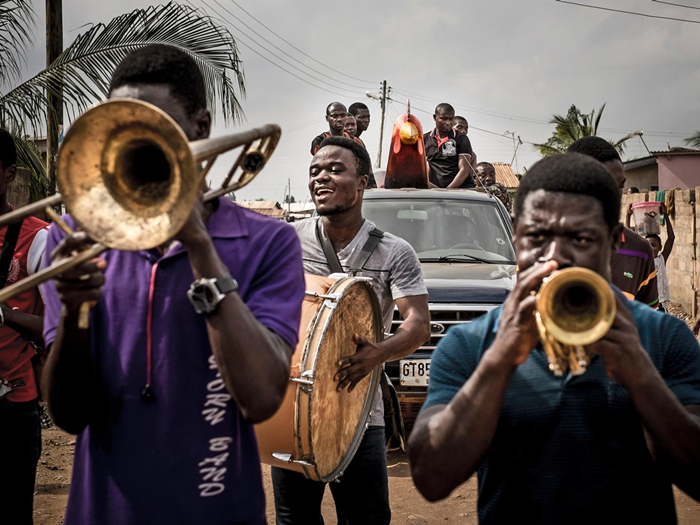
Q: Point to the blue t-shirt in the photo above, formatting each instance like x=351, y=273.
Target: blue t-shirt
x=190, y=456
x=570, y=450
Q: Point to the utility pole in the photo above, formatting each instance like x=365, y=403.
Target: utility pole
x=54, y=121
x=384, y=95
x=289, y=196
x=516, y=145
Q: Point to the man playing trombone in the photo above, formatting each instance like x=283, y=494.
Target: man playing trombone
x=603, y=447
x=164, y=386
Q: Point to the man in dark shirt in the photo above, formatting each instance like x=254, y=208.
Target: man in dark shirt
x=633, y=269
x=361, y=113
x=335, y=116
x=461, y=125
x=449, y=152
x=604, y=447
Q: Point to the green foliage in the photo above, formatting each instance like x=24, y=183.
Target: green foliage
x=694, y=141
x=16, y=20
x=81, y=74
x=573, y=126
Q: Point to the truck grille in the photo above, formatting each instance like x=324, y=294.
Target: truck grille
x=442, y=318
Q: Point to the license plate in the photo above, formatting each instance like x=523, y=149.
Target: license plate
x=414, y=372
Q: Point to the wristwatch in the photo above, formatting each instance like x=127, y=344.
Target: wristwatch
x=206, y=294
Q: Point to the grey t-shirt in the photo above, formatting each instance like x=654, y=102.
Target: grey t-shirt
x=393, y=267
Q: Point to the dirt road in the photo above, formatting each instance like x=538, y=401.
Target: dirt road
x=408, y=507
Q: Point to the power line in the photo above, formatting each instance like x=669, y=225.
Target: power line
x=238, y=39
x=531, y=120
x=299, y=50
x=282, y=50
x=645, y=15
x=676, y=5
x=266, y=49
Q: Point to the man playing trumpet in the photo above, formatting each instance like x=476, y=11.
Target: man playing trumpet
x=603, y=447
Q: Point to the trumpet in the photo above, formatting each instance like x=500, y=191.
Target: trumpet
x=129, y=177
x=575, y=307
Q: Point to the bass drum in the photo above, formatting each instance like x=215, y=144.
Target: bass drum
x=317, y=430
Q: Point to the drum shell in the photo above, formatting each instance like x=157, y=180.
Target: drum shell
x=319, y=425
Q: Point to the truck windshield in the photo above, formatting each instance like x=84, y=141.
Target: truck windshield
x=450, y=230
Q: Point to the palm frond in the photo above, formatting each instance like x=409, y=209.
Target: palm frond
x=29, y=157
x=16, y=21
x=620, y=144
x=83, y=71
x=597, y=119
x=694, y=141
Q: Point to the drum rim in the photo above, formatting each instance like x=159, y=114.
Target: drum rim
x=374, y=380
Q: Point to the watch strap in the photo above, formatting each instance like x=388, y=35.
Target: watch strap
x=226, y=284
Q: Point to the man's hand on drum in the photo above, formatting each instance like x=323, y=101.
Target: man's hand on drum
x=353, y=368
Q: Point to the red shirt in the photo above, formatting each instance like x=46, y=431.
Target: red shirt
x=15, y=351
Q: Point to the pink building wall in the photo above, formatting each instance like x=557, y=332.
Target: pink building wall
x=678, y=171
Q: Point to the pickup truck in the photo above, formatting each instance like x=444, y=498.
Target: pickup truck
x=463, y=239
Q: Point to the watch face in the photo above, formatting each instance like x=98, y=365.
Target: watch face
x=202, y=297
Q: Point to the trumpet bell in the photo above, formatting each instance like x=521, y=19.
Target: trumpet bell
x=126, y=173
x=575, y=307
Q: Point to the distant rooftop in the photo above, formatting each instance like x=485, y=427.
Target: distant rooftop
x=505, y=175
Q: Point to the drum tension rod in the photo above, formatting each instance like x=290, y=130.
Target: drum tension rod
x=332, y=297
x=287, y=458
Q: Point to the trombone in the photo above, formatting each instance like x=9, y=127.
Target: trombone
x=575, y=307
x=129, y=177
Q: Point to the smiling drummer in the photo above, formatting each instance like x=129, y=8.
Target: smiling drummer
x=337, y=180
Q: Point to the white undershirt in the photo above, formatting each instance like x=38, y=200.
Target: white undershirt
x=35, y=257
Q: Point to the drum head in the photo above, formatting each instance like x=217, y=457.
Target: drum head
x=338, y=418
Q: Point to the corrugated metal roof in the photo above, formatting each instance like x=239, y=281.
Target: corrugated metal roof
x=505, y=175
x=254, y=205
x=267, y=208
x=676, y=151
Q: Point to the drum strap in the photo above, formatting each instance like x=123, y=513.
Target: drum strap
x=372, y=241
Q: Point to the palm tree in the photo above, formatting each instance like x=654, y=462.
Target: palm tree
x=81, y=74
x=574, y=126
x=694, y=141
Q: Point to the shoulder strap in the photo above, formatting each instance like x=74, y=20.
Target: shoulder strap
x=8, y=250
x=328, y=250
x=372, y=241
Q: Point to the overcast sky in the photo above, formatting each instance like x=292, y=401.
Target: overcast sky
x=505, y=65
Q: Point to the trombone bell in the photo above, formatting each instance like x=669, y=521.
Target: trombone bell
x=126, y=173
x=575, y=307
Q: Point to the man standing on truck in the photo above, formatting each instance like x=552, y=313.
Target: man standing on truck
x=335, y=116
x=633, y=269
x=449, y=152
x=361, y=113
x=337, y=181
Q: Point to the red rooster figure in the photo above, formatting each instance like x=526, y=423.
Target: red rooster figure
x=407, y=167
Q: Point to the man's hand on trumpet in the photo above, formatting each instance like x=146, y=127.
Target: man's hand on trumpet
x=621, y=349
x=517, y=329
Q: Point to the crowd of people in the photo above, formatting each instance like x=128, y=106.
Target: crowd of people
x=164, y=386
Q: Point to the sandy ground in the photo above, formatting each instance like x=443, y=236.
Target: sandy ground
x=408, y=507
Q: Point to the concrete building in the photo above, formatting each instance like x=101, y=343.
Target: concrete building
x=664, y=170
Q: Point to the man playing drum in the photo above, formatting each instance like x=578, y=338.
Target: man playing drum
x=603, y=447
x=162, y=396
x=337, y=179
